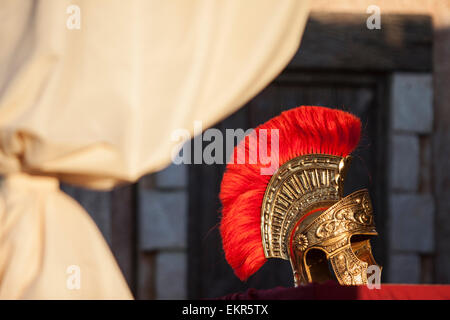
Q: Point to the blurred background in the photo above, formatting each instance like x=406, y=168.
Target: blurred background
x=163, y=230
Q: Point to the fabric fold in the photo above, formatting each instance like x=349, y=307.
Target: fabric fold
x=42, y=255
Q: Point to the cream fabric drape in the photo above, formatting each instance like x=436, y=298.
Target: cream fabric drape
x=96, y=106
x=47, y=240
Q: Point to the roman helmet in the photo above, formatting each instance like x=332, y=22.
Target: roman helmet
x=296, y=210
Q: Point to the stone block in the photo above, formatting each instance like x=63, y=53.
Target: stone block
x=403, y=268
x=404, y=162
x=171, y=272
x=412, y=223
x=162, y=219
x=412, y=102
x=174, y=176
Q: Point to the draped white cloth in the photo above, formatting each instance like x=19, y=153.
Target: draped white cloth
x=96, y=106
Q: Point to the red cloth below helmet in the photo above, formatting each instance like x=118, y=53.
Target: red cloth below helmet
x=333, y=291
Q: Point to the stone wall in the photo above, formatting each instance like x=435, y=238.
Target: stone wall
x=411, y=202
x=162, y=223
